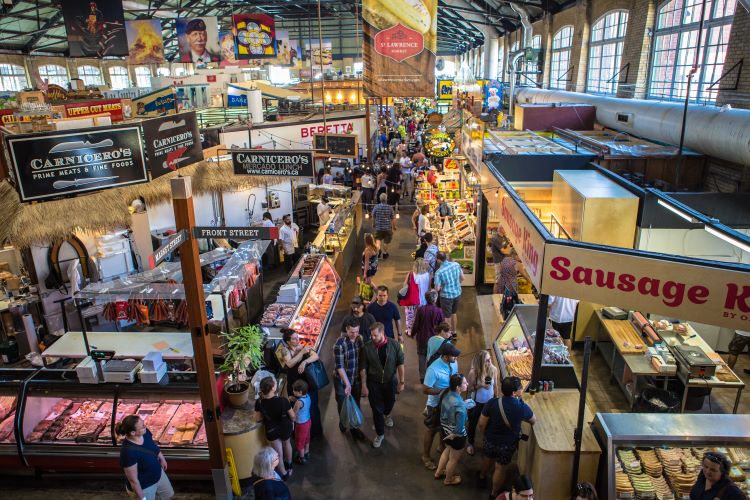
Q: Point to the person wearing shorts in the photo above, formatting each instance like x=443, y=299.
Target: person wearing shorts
x=447, y=281
x=562, y=314
x=453, y=418
x=739, y=343
x=501, y=425
x=302, y=421
x=383, y=223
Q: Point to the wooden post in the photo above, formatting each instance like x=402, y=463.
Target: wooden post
x=367, y=131
x=184, y=215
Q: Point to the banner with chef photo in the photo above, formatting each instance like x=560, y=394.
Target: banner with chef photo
x=254, y=36
x=317, y=56
x=198, y=40
x=52, y=165
x=172, y=142
x=145, y=45
x=95, y=28
x=400, y=43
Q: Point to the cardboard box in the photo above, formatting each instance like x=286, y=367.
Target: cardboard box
x=32, y=96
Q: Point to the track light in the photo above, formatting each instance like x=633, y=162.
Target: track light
x=676, y=211
x=739, y=244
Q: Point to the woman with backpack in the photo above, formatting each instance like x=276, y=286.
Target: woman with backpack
x=277, y=416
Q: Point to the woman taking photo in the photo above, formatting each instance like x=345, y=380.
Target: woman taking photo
x=453, y=419
x=277, y=416
x=142, y=460
x=483, y=385
x=421, y=276
x=294, y=357
x=267, y=484
x=369, y=259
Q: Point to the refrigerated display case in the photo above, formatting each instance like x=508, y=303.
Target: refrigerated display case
x=658, y=455
x=338, y=238
x=514, y=350
x=11, y=382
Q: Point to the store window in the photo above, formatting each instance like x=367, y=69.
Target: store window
x=118, y=77
x=605, y=52
x=562, y=43
x=180, y=71
x=162, y=71
x=531, y=70
x=675, y=41
x=142, y=76
x=12, y=78
x=91, y=75
x=500, y=59
x=54, y=74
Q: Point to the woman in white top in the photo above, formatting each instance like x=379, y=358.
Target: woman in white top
x=368, y=188
x=483, y=384
x=421, y=274
x=324, y=211
x=423, y=223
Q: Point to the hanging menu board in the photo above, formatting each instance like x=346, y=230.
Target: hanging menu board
x=56, y=164
x=172, y=141
x=338, y=145
x=272, y=162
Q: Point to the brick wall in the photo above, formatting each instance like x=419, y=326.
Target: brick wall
x=738, y=49
x=636, y=52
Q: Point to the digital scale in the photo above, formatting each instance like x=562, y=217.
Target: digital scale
x=694, y=361
x=121, y=371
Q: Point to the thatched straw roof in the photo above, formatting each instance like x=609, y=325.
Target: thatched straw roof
x=43, y=223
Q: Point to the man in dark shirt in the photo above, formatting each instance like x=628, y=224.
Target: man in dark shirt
x=365, y=319
x=386, y=312
x=502, y=429
x=426, y=320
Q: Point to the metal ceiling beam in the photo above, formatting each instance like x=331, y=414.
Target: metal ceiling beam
x=48, y=25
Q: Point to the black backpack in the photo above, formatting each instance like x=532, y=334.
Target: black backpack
x=510, y=299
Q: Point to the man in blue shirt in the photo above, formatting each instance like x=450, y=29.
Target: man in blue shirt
x=502, y=429
x=386, y=312
x=436, y=379
x=447, y=280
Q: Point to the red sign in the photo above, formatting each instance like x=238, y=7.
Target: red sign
x=399, y=42
x=112, y=106
x=211, y=78
x=331, y=128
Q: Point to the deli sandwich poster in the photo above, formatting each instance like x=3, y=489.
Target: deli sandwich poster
x=172, y=142
x=95, y=28
x=53, y=165
x=400, y=46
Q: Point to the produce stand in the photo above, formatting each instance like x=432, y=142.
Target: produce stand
x=661, y=453
x=514, y=345
x=339, y=237
x=318, y=287
x=548, y=455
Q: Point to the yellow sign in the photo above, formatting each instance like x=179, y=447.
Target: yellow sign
x=440, y=145
x=445, y=90
x=232, y=468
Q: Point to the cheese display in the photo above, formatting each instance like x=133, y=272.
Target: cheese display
x=171, y=422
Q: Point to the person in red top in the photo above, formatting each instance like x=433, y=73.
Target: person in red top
x=426, y=319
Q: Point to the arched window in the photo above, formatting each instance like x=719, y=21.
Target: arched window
x=559, y=74
x=118, y=77
x=162, y=71
x=531, y=68
x=91, y=75
x=54, y=74
x=12, y=78
x=605, y=52
x=143, y=76
x=675, y=40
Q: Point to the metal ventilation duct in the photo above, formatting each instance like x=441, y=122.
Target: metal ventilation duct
x=719, y=132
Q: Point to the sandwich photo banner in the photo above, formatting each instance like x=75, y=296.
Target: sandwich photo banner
x=56, y=164
x=255, y=36
x=95, y=28
x=172, y=142
x=145, y=45
x=198, y=40
x=318, y=56
x=400, y=46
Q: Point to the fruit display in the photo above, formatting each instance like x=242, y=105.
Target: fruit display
x=171, y=422
x=278, y=315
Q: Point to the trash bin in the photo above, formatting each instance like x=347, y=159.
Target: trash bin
x=655, y=400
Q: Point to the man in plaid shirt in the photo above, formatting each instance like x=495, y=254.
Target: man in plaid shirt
x=346, y=380
x=447, y=280
x=384, y=224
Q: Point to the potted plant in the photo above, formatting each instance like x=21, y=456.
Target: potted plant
x=244, y=346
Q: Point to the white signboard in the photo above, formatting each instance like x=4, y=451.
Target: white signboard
x=526, y=239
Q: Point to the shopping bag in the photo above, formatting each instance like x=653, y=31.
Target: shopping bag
x=316, y=375
x=366, y=291
x=350, y=416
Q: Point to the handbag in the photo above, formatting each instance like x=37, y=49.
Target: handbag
x=366, y=291
x=316, y=375
x=409, y=293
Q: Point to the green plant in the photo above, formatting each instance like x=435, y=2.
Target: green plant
x=244, y=347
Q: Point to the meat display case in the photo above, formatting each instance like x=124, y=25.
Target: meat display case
x=514, y=350
x=11, y=382
x=320, y=287
x=650, y=455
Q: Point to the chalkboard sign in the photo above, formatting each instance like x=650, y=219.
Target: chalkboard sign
x=338, y=145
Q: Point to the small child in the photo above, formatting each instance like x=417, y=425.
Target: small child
x=302, y=421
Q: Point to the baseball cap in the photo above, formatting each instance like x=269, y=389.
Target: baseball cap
x=357, y=300
x=195, y=25
x=448, y=349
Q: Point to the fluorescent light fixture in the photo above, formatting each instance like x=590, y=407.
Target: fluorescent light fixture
x=676, y=210
x=723, y=236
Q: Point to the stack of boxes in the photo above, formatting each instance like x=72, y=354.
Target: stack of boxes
x=154, y=368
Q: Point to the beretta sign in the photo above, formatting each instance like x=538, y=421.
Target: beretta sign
x=51, y=165
x=172, y=141
x=272, y=162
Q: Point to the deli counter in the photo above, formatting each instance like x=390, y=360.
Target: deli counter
x=338, y=238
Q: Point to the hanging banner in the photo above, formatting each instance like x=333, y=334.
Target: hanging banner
x=288, y=52
x=493, y=96
x=236, y=96
x=708, y=295
x=272, y=162
x=145, y=45
x=172, y=142
x=400, y=43
x=317, y=55
x=198, y=40
x=236, y=233
x=445, y=90
x=95, y=28
x=51, y=165
x=111, y=106
x=158, y=103
x=255, y=36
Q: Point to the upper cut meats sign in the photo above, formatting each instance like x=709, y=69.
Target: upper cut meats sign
x=272, y=162
x=703, y=294
x=60, y=164
x=172, y=141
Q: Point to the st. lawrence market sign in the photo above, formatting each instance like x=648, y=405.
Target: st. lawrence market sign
x=52, y=165
x=272, y=162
